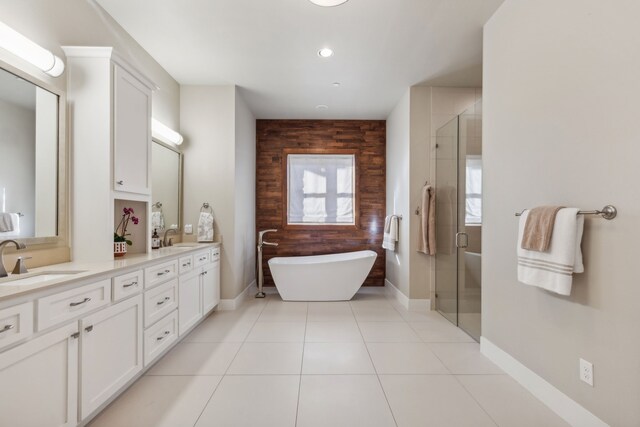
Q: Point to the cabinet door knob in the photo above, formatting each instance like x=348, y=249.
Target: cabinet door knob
x=121, y=182
x=89, y=328
x=74, y=304
x=6, y=328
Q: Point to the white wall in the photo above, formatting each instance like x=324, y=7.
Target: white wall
x=219, y=168
x=397, y=183
x=561, y=90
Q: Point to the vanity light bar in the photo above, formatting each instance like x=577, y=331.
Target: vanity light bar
x=31, y=52
x=165, y=133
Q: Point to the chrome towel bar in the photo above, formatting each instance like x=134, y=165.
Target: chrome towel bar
x=608, y=212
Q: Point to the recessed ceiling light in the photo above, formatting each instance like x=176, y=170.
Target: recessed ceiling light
x=322, y=107
x=325, y=52
x=328, y=3
x=336, y=84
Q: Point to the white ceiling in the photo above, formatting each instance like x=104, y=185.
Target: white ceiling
x=269, y=49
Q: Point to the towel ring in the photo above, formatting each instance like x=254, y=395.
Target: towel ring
x=206, y=207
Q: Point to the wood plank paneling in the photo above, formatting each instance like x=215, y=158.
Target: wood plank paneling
x=368, y=138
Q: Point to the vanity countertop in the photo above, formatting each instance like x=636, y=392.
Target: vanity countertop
x=87, y=270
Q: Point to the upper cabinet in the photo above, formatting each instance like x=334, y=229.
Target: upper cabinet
x=110, y=135
x=131, y=133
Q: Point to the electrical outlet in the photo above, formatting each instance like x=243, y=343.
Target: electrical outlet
x=188, y=229
x=586, y=372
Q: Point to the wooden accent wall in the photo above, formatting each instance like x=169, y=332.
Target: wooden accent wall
x=367, y=137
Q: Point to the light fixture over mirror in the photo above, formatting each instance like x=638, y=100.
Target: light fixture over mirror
x=328, y=3
x=31, y=52
x=164, y=133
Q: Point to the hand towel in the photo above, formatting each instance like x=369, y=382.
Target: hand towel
x=157, y=221
x=539, y=228
x=427, y=223
x=553, y=270
x=390, y=233
x=205, y=227
x=14, y=219
x=6, y=223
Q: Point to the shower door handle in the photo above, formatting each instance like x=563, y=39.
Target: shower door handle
x=459, y=240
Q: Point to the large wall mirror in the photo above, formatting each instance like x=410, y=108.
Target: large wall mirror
x=32, y=159
x=166, y=187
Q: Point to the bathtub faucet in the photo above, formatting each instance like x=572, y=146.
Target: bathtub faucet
x=261, y=243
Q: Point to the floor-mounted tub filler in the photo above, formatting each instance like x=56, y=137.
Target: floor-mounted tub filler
x=334, y=277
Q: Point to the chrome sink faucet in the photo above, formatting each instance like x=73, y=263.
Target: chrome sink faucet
x=169, y=242
x=3, y=271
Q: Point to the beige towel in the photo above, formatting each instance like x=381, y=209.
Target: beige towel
x=427, y=224
x=539, y=228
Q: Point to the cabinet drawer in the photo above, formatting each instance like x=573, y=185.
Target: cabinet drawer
x=215, y=254
x=66, y=305
x=160, y=301
x=160, y=337
x=160, y=273
x=201, y=258
x=16, y=323
x=127, y=284
x=185, y=264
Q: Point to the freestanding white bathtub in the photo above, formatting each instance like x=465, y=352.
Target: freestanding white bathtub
x=335, y=277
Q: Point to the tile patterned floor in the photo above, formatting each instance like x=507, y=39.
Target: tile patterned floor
x=366, y=362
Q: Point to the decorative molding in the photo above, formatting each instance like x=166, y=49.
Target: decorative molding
x=568, y=409
x=395, y=294
x=233, y=304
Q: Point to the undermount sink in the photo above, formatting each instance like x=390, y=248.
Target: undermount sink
x=35, y=278
x=184, y=245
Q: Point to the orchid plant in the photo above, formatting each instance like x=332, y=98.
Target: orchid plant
x=120, y=234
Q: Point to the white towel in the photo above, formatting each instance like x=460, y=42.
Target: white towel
x=9, y=225
x=157, y=221
x=205, y=227
x=553, y=270
x=390, y=233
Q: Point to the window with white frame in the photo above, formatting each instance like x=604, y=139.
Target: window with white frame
x=321, y=189
x=473, y=199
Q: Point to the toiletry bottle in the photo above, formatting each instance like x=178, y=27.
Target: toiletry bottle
x=155, y=240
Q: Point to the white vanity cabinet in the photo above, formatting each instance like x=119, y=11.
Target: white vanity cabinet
x=211, y=286
x=40, y=380
x=189, y=302
x=131, y=133
x=199, y=289
x=111, y=351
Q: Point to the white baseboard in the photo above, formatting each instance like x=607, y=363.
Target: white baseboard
x=568, y=409
x=409, y=304
x=232, y=304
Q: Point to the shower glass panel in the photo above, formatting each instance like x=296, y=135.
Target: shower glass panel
x=447, y=220
x=459, y=219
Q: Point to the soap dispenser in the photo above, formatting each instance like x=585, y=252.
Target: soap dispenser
x=155, y=239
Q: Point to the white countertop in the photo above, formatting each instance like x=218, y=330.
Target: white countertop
x=87, y=270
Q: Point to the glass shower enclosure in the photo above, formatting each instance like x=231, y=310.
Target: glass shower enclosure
x=459, y=220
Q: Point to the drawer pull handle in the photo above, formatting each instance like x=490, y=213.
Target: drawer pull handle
x=6, y=328
x=162, y=273
x=121, y=182
x=163, y=301
x=186, y=264
x=74, y=304
x=166, y=333
x=89, y=328
x=202, y=258
x=128, y=285
x=75, y=335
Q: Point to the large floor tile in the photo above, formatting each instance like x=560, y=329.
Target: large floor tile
x=375, y=314
x=405, y=358
x=388, y=332
x=166, y=401
x=522, y=410
x=284, y=311
x=432, y=400
x=196, y=359
x=213, y=330
x=257, y=400
x=267, y=359
x=277, y=332
x=239, y=315
x=440, y=332
x=335, y=311
x=342, y=401
x=336, y=358
x=333, y=332
x=424, y=316
x=464, y=358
